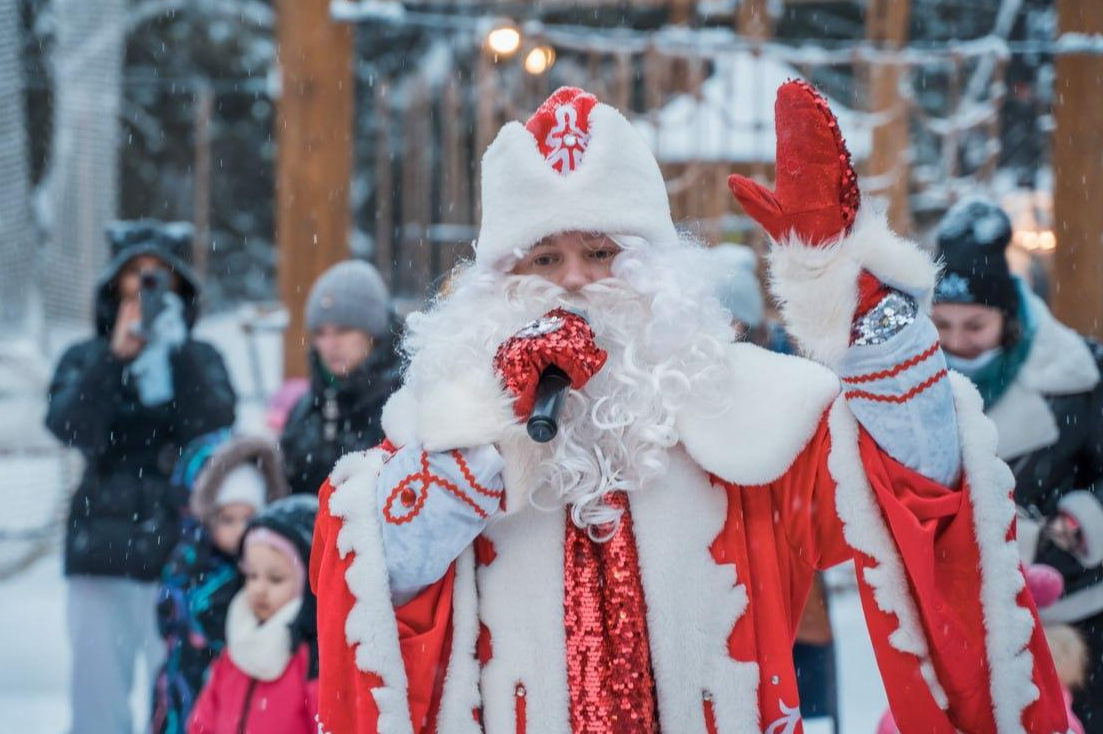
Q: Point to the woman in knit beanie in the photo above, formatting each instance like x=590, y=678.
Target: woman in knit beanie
x=1040, y=382
x=354, y=369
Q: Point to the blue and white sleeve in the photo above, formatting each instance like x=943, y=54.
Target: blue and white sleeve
x=895, y=380
x=431, y=506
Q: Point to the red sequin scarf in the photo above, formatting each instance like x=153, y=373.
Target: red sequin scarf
x=608, y=655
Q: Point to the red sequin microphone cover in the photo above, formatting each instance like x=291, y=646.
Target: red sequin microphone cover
x=559, y=338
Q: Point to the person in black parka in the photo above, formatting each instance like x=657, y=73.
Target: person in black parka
x=129, y=398
x=1041, y=386
x=354, y=369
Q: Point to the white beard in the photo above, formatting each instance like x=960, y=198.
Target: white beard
x=664, y=332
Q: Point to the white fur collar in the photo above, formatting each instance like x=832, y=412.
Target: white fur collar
x=774, y=404
x=817, y=287
x=777, y=400
x=1024, y=421
x=1059, y=362
x=261, y=649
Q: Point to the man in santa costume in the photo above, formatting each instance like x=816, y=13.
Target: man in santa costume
x=645, y=571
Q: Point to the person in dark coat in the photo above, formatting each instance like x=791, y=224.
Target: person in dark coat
x=1040, y=382
x=354, y=369
x=229, y=479
x=129, y=398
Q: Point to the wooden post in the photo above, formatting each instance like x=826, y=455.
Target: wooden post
x=754, y=21
x=417, y=148
x=887, y=28
x=384, y=187
x=1078, y=173
x=201, y=218
x=314, y=158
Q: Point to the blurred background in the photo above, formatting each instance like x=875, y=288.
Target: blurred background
x=298, y=133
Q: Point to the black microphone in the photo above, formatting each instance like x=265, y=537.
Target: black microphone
x=551, y=396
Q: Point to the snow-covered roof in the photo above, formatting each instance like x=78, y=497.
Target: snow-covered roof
x=732, y=119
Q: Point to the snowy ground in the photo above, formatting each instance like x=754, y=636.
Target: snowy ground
x=34, y=657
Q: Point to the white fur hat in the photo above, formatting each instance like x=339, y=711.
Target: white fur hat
x=576, y=164
x=245, y=484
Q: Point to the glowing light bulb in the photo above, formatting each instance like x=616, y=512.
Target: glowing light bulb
x=504, y=40
x=539, y=60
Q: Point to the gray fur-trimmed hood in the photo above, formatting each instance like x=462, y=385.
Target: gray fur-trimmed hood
x=237, y=451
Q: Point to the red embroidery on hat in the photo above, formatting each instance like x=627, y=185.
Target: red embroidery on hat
x=562, y=127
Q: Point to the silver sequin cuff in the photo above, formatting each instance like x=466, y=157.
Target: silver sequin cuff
x=885, y=320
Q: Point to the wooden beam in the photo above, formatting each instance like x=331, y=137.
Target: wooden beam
x=887, y=28
x=754, y=21
x=314, y=157
x=1078, y=174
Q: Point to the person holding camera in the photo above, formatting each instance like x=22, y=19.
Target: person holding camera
x=129, y=398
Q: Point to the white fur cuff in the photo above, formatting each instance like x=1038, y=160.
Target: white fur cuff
x=817, y=287
x=1084, y=507
x=471, y=410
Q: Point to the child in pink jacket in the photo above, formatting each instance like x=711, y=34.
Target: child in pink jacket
x=266, y=680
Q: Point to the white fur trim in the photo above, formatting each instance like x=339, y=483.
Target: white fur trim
x=1087, y=511
x=692, y=607
x=1059, y=362
x=617, y=189
x=817, y=287
x=865, y=531
x=399, y=418
x=471, y=410
x=1009, y=626
x=461, y=684
x=771, y=408
x=1024, y=421
x=692, y=603
x=370, y=629
x=521, y=603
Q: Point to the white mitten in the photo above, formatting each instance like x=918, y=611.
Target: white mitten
x=432, y=505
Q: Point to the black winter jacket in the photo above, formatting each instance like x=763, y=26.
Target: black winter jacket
x=1050, y=423
x=124, y=520
x=337, y=417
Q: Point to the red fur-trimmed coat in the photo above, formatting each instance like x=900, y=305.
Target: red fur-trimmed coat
x=756, y=498
x=727, y=557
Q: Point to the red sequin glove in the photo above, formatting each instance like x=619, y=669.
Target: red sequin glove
x=816, y=197
x=559, y=338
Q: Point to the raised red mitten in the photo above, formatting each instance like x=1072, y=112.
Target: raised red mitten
x=816, y=195
x=559, y=338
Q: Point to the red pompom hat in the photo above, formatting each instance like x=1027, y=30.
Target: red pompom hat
x=577, y=164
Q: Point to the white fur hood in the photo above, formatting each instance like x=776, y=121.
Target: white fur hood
x=776, y=400
x=1059, y=363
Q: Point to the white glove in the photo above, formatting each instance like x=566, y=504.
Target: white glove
x=152, y=368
